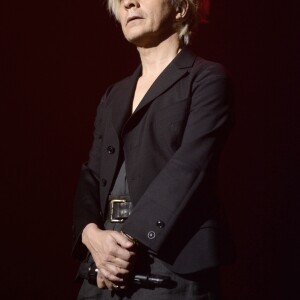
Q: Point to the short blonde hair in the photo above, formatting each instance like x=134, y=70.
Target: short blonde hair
x=196, y=13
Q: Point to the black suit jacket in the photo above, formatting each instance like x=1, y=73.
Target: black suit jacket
x=170, y=144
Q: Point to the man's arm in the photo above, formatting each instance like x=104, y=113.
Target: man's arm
x=112, y=251
x=87, y=203
x=170, y=192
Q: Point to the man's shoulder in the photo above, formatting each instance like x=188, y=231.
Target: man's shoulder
x=205, y=67
x=199, y=65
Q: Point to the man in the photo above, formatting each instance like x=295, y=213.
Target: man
x=146, y=201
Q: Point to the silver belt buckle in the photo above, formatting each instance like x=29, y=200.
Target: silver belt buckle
x=112, y=202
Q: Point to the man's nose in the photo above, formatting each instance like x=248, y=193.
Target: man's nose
x=130, y=3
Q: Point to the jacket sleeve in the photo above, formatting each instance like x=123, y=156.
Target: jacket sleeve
x=87, y=202
x=169, y=193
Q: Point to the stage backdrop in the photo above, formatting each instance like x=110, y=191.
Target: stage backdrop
x=58, y=57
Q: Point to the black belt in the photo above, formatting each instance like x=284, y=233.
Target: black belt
x=120, y=208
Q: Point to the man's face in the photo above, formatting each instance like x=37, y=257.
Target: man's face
x=146, y=23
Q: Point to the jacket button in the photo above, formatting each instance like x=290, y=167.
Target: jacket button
x=151, y=235
x=103, y=181
x=110, y=149
x=160, y=224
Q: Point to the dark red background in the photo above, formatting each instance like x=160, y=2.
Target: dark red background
x=57, y=58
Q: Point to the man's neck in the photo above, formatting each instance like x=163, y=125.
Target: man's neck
x=155, y=59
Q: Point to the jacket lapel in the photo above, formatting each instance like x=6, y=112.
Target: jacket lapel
x=171, y=74
x=121, y=110
x=122, y=104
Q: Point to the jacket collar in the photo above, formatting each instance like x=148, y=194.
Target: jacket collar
x=125, y=90
x=172, y=73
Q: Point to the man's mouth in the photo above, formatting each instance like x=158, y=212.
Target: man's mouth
x=132, y=18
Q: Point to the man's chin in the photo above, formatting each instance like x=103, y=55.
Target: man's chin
x=143, y=43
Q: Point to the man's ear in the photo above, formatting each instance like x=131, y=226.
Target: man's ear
x=182, y=10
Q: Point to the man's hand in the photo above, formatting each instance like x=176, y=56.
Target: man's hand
x=112, y=252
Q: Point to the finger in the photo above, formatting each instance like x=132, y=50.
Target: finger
x=110, y=275
x=123, y=254
x=108, y=283
x=122, y=240
x=100, y=282
x=117, y=262
x=122, y=264
x=119, y=272
x=109, y=260
x=113, y=285
x=112, y=250
x=114, y=273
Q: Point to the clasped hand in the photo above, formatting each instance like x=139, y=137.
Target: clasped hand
x=113, y=254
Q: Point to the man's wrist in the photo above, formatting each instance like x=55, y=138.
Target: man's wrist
x=87, y=231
